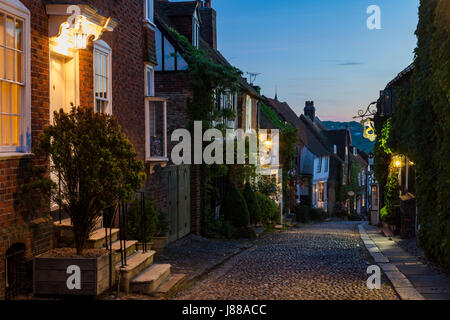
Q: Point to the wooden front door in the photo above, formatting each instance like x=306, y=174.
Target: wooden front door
x=178, y=201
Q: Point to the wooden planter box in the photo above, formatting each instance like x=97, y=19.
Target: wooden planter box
x=50, y=275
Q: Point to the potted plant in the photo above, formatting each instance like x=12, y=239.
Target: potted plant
x=142, y=221
x=159, y=236
x=97, y=168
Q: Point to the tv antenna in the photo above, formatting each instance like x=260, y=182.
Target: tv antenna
x=252, y=76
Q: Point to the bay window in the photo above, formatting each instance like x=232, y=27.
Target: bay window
x=14, y=77
x=102, y=75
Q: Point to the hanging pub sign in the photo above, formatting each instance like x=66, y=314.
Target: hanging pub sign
x=369, y=130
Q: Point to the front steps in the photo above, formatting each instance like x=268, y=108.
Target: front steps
x=139, y=275
x=150, y=279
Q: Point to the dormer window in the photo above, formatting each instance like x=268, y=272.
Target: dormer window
x=195, y=31
x=148, y=7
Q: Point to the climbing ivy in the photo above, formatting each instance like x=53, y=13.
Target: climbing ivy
x=421, y=126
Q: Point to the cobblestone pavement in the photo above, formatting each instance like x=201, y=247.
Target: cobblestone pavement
x=194, y=255
x=324, y=261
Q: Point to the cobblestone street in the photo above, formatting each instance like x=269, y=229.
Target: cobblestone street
x=323, y=261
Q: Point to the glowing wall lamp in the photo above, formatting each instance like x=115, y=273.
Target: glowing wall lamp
x=76, y=30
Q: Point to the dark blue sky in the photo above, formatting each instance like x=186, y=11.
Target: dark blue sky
x=318, y=50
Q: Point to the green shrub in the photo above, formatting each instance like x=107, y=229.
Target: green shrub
x=317, y=214
x=269, y=209
x=392, y=201
x=235, y=208
x=155, y=221
x=96, y=163
x=252, y=205
x=302, y=213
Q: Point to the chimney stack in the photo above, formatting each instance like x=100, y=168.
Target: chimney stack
x=310, y=110
x=208, y=28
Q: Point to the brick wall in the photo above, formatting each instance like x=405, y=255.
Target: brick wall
x=127, y=42
x=176, y=87
x=16, y=227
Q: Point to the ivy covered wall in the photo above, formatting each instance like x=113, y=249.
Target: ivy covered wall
x=420, y=129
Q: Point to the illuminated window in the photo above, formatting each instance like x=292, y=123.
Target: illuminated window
x=12, y=81
x=320, y=192
x=102, y=71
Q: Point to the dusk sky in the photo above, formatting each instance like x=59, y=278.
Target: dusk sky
x=318, y=50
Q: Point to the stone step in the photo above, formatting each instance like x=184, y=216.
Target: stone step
x=130, y=249
x=150, y=279
x=136, y=263
x=97, y=239
x=173, y=284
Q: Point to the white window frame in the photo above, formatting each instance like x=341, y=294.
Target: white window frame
x=327, y=164
x=148, y=156
x=319, y=165
x=248, y=113
x=149, y=14
x=17, y=9
x=195, y=31
x=149, y=92
x=102, y=47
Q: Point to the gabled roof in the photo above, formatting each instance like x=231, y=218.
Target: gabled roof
x=306, y=133
x=176, y=9
x=284, y=110
x=403, y=75
x=338, y=138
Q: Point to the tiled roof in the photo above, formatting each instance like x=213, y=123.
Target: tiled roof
x=338, y=138
x=306, y=133
x=402, y=75
x=176, y=9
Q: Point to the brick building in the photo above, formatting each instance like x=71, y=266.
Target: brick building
x=99, y=54
x=196, y=20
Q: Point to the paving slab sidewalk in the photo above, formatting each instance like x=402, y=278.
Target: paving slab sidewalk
x=411, y=277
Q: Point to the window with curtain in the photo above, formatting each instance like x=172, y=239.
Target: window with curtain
x=12, y=80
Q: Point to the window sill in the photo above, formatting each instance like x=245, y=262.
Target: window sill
x=158, y=159
x=150, y=23
x=15, y=155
